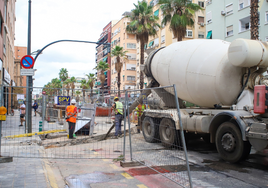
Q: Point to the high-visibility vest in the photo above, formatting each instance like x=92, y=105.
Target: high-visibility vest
x=140, y=108
x=119, y=108
x=71, y=111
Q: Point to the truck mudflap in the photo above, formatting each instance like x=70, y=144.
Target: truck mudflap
x=257, y=134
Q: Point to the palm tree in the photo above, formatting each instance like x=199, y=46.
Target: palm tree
x=102, y=67
x=254, y=19
x=84, y=86
x=120, y=55
x=143, y=24
x=77, y=95
x=67, y=83
x=91, y=80
x=63, y=75
x=72, y=81
x=48, y=88
x=180, y=15
x=56, y=84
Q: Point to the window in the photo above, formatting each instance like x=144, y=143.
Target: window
x=208, y=2
x=244, y=24
x=131, y=56
x=243, y=4
x=201, y=3
x=131, y=67
x=209, y=17
x=200, y=19
x=266, y=17
x=131, y=45
x=229, y=9
x=163, y=39
x=229, y=31
x=201, y=35
x=131, y=78
x=156, y=42
x=189, y=33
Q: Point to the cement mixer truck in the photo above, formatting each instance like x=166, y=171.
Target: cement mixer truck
x=227, y=83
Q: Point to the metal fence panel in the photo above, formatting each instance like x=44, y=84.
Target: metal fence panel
x=48, y=136
x=159, y=141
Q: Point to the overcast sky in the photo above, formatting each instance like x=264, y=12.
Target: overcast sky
x=54, y=20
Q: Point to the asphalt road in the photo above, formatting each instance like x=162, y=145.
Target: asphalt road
x=253, y=172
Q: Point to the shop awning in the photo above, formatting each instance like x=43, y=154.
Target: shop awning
x=209, y=36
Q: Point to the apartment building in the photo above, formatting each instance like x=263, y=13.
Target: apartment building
x=19, y=52
x=102, y=54
x=230, y=19
x=7, y=37
x=165, y=36
x=121, y=38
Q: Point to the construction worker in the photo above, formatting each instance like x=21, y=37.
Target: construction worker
x=139, y=109
x=118, y=110
x=71, y=113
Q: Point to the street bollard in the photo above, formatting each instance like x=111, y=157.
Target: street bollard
x=40, y=126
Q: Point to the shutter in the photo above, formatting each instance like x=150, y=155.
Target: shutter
x=156, y=41
x=229, y=9
x=200, y=19
x=230, y=28
x=209, y=16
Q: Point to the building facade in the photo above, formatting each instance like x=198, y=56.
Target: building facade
x=128, y=41
x=230, y=19
x=7, y=57
x=102, y=54
x=19, y=51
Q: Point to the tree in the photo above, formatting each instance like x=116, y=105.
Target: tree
x=56, y=85
x=84, y=86
x=143, y=24
x=77, y=93
x=67, y=84
x=120, y=55
x=102, y=67
x=90, y=82
x=72, y=81
x=254, y=19
x=63, y=74
x=180, y=15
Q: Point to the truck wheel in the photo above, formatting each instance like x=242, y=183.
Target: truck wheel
x=168, y=132
x=149, y=130
x=229, y=143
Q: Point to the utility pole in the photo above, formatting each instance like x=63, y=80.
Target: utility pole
x=29, y=80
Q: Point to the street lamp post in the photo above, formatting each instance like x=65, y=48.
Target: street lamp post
x=29, y=80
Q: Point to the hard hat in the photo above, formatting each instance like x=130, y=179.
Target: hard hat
x=116, y=98
x=73, y=101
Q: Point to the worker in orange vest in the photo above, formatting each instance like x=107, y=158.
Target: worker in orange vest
x=71, y=113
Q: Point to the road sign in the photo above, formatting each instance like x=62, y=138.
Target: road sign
x=27, y=72
x=43, y=92
x=27, y=62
